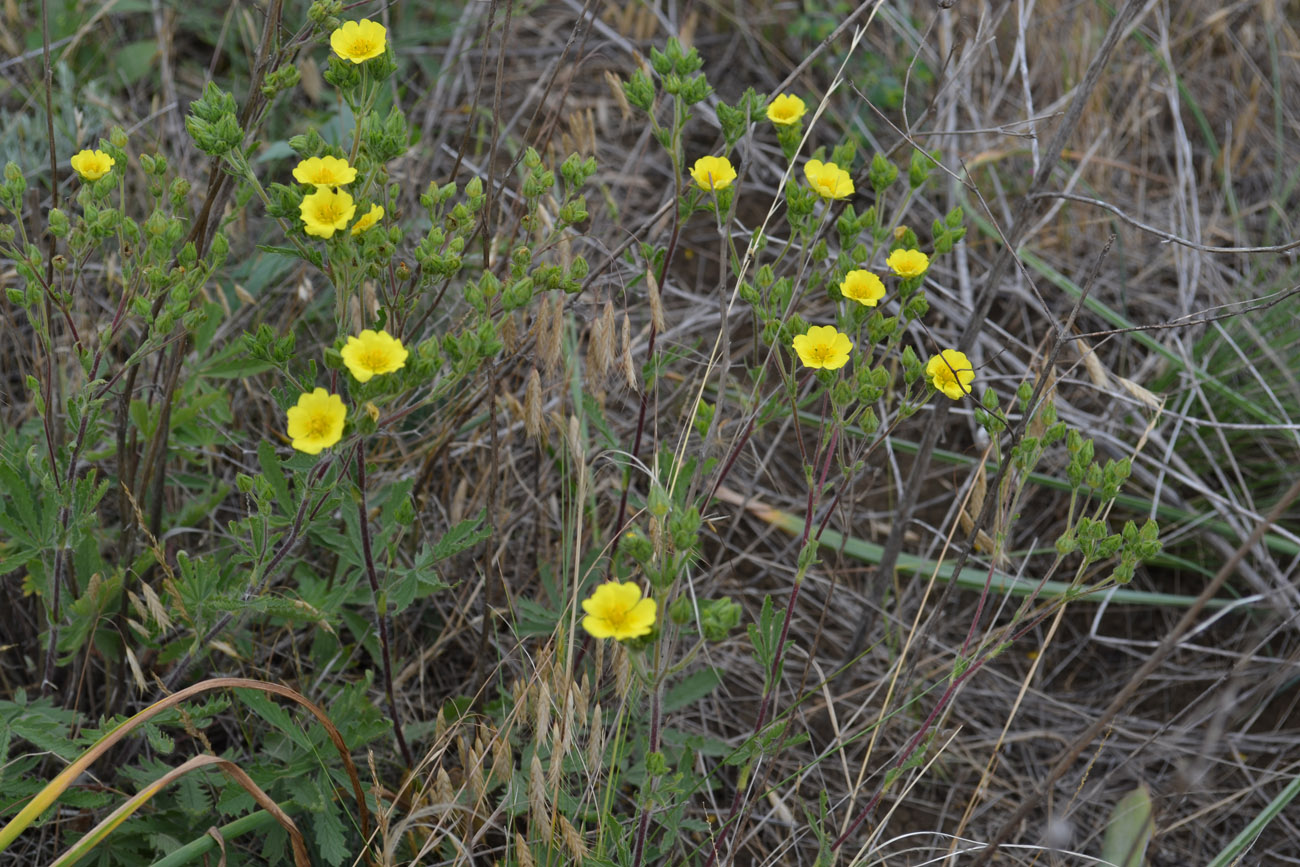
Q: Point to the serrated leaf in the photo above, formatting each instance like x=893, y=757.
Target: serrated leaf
x=277, y=716
x=192, y=795
x=159, y=739
x=461, y=537
x=329, y=835
x=406, y=585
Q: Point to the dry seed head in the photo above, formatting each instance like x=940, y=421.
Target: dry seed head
x=551, y=343
x=556, y=766
x=656, y=303
x=141, y=611
x=156, y=608
x=474, y=773
x=443, y=793
x=600, y=345
x=503, y=760
x=537, y=792
x=542, y=714
x=566, y=724
x=622, y=671
x=533, y=405
x=580, y=693
x=523, y=857
x=136, y=674
x=509, y=332
x=629, y=369
x=616, y=88
x=439, y=728
x=575, y=441
x=572, y=840
x=595, y=743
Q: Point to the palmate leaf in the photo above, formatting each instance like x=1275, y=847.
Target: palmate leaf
x=328, y=830
x=461, y=537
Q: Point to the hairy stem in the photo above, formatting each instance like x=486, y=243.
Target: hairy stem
x=381, y=607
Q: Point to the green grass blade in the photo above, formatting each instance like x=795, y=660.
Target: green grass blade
x=1232, y=853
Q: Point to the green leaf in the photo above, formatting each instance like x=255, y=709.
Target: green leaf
x=692, y=688
x=406, y=585
x=329, y=834
x=462, y=537
x=272, y=472
x=276, y=715
x=1129, y=830
x=135, y=59
x=311, y=256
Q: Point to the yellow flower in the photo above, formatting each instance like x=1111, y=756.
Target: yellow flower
x=863, y=287
x=823, y=347
x=359, y=41
x=908, y=263
x=950, y=371
x=617, y=611
x=326, y=211
x=828, y=180
x=785, y=110
x=713, y=173
x=324, y=172
x=92, y=165
x=317, y=421
x=374, y=215
x=373, y=353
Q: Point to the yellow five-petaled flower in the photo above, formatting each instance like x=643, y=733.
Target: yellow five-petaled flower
x=368, y=219
x=359, y=41
x=828, y=180
x=617, y=611
x=316, y=423
x=950, y=372
x=823, y=347
x=373, y=353
x=908, y=263
x=92, y=165
x=785, y=110
x=324, y=172
x=862, y=287
x=713, y=173
x=326, y=211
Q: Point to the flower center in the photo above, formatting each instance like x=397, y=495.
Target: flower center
x=317, y=427
x=821, y=352
x=375, y=359
x=362, y=45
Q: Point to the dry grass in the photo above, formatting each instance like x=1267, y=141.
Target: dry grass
x=1192, y=129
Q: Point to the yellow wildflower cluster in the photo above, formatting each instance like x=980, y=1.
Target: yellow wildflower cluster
x=316, y=422
x=330, y=209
